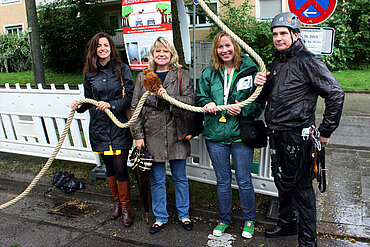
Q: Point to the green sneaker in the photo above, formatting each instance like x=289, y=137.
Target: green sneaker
x=248, y=229
x=220, y=229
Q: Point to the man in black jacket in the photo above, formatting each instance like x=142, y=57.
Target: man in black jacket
x=295, y=80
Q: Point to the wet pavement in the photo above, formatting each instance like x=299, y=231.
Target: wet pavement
x=343, y=215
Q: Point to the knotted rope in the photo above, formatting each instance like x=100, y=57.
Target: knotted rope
x=141, y=103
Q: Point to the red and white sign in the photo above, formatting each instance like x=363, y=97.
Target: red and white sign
x=143, y=21
x=312, y=12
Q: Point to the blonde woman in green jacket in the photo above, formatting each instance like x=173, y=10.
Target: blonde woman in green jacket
x=228, y=80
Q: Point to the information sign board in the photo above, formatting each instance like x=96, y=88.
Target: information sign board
x=318, y=40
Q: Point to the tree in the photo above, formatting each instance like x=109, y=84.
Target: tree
x=65, y=28
x=352, y=38
x=126, y=12
x=164, y=9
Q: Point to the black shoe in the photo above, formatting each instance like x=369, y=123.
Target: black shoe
x=281, y=231
x=187, y=225
x=155, y=228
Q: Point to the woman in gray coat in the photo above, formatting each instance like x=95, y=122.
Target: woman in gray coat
x=156, y=130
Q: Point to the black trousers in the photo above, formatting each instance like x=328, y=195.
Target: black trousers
x=291, y=164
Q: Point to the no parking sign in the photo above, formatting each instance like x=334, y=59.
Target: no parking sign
x=312, y=12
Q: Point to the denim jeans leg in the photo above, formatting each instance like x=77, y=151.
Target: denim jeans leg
x=178, y=171
x=158, y=188
x=242, y=157
x=220, y=157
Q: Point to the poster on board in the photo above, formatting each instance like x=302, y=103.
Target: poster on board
x=143, y=21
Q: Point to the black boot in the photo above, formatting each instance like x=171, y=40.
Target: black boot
x=281, y=231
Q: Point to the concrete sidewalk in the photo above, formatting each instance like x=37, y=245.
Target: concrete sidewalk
x=343, y=215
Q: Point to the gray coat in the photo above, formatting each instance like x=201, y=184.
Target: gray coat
x=156, y=124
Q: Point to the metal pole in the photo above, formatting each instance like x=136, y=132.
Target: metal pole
x=194, y=46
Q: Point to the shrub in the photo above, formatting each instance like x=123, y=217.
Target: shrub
x=15, y=55
x=351, y=42
x=65, y=28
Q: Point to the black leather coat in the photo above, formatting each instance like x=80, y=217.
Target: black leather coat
x=106, y=86
x=297, y=77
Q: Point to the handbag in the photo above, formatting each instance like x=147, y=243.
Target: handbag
x=254, y=134
x=141, y=159
x=188, y=123
x=128, y=110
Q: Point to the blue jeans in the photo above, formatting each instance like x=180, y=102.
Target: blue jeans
x=158, y=188
x=242, y=157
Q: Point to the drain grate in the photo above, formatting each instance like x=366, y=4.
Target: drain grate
x=73, y=209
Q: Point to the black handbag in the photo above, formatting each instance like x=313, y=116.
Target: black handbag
x=254, y=134
x=187, y=122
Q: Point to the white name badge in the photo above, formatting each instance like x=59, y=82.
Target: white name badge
x=245, y=83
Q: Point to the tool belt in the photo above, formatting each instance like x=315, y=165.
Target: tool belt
x=295, y=154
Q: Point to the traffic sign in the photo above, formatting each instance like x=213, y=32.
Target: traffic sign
x=312, y=12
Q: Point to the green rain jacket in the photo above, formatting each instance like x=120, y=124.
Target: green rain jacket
x=211, y=89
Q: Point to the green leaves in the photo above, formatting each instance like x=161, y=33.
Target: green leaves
x=351, y=43
x=242, y=22
x=15, y=55
x=65, y=28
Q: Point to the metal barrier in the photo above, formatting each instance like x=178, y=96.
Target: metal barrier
x=32, y=118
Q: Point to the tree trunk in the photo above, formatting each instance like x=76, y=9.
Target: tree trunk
x=33, y=30
x=176, y=32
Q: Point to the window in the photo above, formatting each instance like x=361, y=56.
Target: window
x=201, y=18
x=269, y=8
x=115, y=20
x=14, y=29
x=10, y=1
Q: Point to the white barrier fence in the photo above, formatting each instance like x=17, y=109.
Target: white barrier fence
x=32, y=118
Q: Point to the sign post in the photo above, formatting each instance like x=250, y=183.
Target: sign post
x=312, y=12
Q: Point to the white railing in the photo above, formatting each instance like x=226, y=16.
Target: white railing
x=32, y=118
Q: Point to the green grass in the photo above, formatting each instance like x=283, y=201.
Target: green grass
x=348, y=79
x=353, y=79
x=50, y=78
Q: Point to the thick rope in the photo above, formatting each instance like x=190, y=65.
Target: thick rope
x=141, y=103
x=63, y=137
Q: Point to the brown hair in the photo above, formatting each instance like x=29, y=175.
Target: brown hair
x=92, y=57
x=165, y=42
x=217, y=61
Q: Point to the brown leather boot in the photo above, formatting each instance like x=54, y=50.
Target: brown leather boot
x=124, y=196
x=117, y=211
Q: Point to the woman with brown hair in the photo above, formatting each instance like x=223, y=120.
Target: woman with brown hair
x=105, y=75
x=229, y=80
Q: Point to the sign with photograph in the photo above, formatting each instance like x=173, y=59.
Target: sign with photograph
x=143, y=21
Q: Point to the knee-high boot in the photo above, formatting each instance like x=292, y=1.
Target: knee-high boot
x=124, y=196
x=117, y=211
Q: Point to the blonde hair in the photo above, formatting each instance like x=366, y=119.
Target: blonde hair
x=218, y=63
x=164, y=42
